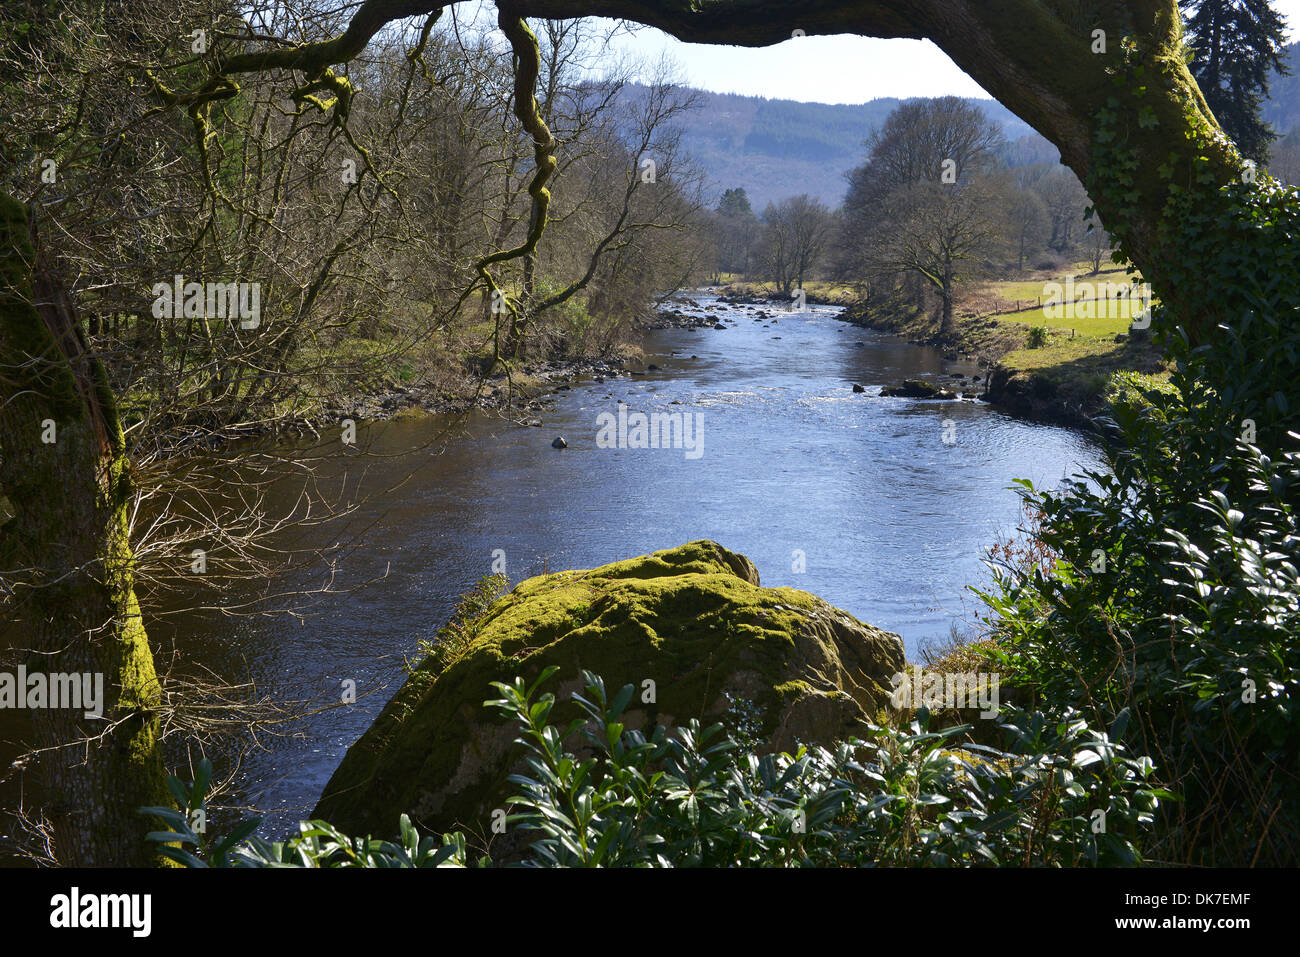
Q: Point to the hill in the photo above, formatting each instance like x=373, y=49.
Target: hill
x=779, y=148
x=1282, y=109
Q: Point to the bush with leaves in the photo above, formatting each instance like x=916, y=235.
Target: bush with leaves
x=317, y=843
x=1063, y=795
x=897, y=797
x=1176, y=594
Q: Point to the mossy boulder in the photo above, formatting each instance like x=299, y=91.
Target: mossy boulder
x=693, y=620
x=918, y=389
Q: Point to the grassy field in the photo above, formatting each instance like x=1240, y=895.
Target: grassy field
x=1085, y=345
x=1090, y=321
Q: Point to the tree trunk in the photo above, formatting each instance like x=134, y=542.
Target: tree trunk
x=519, y=324
x=69, y=532
x=947, y=326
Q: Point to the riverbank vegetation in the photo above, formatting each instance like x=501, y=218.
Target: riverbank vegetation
x=363, y=239
x=705, y=796
x=952, y=236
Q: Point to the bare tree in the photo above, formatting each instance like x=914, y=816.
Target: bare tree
x=797, y=231
x=1097, y=242
x=1066, y=200
x=1028, y=218
x=943, y=234
x=924, y=205
x=940, y=140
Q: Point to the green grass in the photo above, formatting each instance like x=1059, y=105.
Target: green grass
x=1013, y=291
x=1081, y=355
x=1061, y=349
x=1071, y=337
x=1107, y=326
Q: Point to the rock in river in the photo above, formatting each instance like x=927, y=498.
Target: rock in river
x=692, y=623
x=918, y=389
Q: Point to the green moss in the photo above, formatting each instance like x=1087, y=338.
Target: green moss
x=693, y=620
x=790, y=690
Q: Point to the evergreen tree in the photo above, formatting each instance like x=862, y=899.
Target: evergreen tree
x=1235, y=44
x=735, y=203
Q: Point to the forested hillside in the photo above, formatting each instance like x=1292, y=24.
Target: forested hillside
x=779, y=148
x=1282, y=108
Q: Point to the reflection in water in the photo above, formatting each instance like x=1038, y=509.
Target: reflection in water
x=889, y=519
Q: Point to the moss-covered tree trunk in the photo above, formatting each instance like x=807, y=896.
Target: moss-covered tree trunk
x=64, y=470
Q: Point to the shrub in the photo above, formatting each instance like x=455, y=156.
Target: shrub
x=1176, y=594
x=1064, y=794
x=317, y=844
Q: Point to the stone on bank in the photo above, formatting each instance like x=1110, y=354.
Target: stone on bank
x=691, y=624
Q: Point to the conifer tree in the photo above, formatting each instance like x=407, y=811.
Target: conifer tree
x=1236, y=44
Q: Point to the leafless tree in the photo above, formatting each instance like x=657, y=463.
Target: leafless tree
x=797, y=231
x=924, y=204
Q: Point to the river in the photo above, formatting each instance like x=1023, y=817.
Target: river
x=854, y=497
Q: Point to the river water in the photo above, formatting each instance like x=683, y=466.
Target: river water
x=854, y=497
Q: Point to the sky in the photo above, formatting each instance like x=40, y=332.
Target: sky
x=840, y=69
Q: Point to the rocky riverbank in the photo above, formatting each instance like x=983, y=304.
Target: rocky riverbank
x=963, y=381
x=982, y=343
x=531, y=387
x=974, y=352
x=1059, y=385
